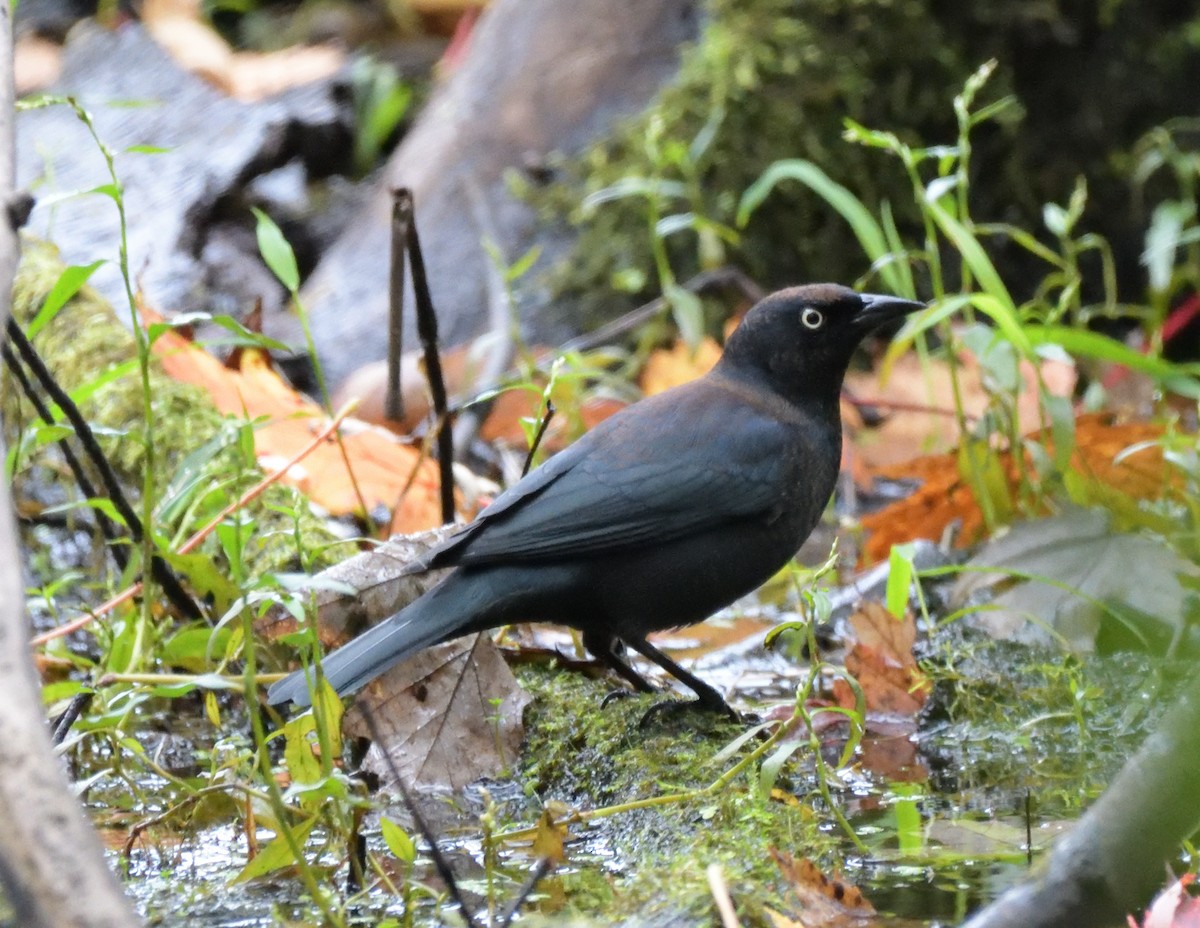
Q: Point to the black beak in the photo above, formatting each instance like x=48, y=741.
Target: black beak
x=879, y=309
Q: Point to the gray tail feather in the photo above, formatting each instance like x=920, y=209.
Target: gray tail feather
x=433, y=618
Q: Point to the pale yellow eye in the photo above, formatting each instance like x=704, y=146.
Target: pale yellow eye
x=812, y=318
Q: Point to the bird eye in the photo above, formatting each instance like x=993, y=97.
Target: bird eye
x=812, y=318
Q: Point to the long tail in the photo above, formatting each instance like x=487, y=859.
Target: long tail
x=457, y=605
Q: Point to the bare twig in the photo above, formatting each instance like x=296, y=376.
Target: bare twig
x=64, y=722
x=159, y=569
x=107, y=527
x=537, y=439
x=428, y=333
x=540, y=869
x=402, y=216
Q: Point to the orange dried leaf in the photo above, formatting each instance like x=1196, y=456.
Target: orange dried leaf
x=944, y=497
x=382, y=468
x=670, y=367
x=882, y=662
x=818, y=900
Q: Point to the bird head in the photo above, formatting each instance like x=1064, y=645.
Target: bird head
x=800, y=340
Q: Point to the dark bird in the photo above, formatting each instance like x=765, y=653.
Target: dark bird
x=660, y=515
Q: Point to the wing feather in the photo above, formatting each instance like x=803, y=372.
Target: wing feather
x=661, y=470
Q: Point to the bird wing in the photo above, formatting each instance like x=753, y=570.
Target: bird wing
x=663, y=469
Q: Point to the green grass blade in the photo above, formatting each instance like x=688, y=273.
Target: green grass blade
x=868, y=232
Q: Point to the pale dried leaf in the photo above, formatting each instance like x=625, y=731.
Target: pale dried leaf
x=447, y=716
x=365, y=589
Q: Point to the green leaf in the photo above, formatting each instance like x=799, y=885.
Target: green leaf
x=276, y=251
x=192, y=649
x=522, y=265
x=398, y=841
x=1085, y=343
x=973, y=254
x=147, y=150
x=869, y=233
x=769, y=772
x=899, y=581
x=112, y=191
x=1162, y=240
x=276, y=855
x=688, y=312
x=633, y=187
x=1062, y=426
x=910, y=829
x=69, y=283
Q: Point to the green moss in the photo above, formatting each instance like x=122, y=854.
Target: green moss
x=591, y=757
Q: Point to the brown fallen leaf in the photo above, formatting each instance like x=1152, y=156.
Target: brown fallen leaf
x=670, y=367
x=944, y=496
x=818, y=901
x=447, y=716
x=385, y=472
x=913, y=384
x=882, y=662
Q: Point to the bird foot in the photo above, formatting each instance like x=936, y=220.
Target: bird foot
x=675, y=706
x=614, y=695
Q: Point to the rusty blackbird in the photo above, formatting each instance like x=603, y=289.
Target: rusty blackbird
x=660, y=515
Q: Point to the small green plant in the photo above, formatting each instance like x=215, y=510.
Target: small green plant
x=814, y=608
x=675, y=202
x=381, y=100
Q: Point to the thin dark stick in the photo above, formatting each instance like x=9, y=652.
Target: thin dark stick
x=537, y=439
x=427, y=330
x=107, y=528
x=159, y=569
x=77, y=704
x=358, y=861
x=439, y=859
x=703, y=282
x=402, y=214
x=540, y=869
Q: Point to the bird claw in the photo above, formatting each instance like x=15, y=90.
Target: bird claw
x=675, y=706
x=614, y=695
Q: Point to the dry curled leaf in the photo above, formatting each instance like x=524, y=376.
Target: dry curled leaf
x=363, y=589
x=1101, y=473
x=446, y=716
x=882, y=662
x=819, y=901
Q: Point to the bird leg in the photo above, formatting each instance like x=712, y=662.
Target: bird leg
x=707, y=698
x=604, y=649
